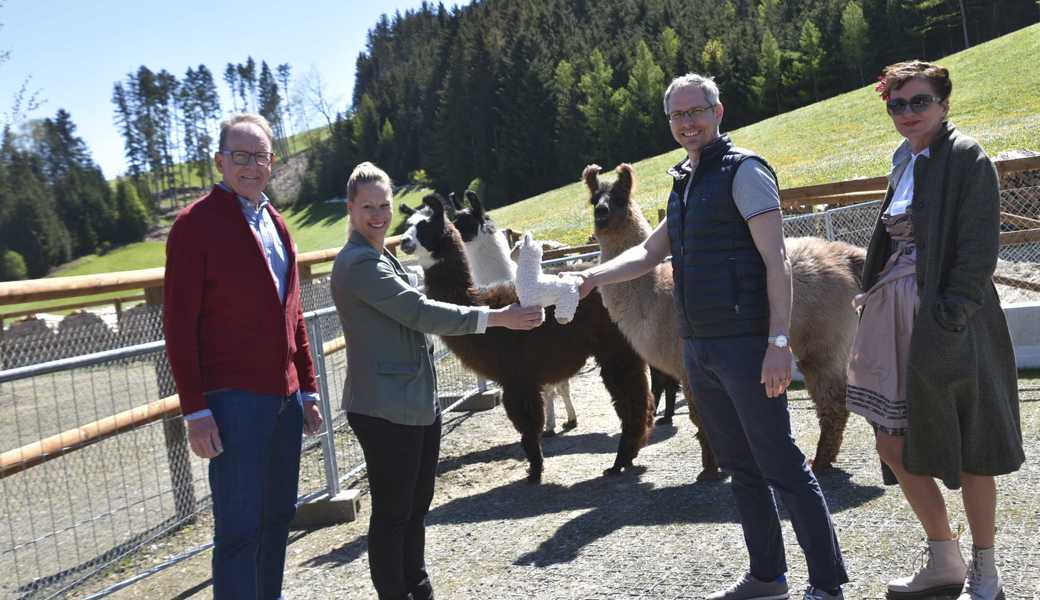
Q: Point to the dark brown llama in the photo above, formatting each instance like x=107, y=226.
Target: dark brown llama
x=825, y=276
x=522, y=362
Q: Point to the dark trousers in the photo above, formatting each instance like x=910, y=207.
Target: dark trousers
x=751, y=436
x=254, y=483
x=402, y=465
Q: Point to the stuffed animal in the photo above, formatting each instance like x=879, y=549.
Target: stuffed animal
x=535, y=288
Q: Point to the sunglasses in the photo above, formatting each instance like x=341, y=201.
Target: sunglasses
x=917, y=104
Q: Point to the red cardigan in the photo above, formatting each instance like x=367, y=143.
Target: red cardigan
x=224, y=323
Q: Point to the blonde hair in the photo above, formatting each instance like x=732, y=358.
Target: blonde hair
x=366, y=172
x=238, y=119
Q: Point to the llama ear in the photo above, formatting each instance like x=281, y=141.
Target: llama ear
x=406, y=210
x=626, y=180
x=591, y=177
x=474, y=201
x=455, y=201
x=435, y=203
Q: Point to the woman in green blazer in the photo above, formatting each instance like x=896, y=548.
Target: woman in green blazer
x=932, y=368
x=390, y=393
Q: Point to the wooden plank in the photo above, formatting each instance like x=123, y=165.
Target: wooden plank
x=561, y=252
x=29, y=455
x=1025, y=236
x=1018, y=283
x=72, y=306
x=1017, y=165
x=833, y=201
x=31, y=290
x=1019, y=220
x=808, y=194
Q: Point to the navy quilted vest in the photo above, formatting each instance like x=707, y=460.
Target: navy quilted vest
x=720, y=279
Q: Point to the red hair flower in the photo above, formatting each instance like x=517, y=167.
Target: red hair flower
x=882, y=87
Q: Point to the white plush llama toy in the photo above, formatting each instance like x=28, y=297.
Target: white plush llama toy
x=536, y=288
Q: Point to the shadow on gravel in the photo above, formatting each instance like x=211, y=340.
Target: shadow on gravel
x=559, y=445
x=617, y=502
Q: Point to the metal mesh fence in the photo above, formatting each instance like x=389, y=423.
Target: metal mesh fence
x=1018, y=266
x=69, y=514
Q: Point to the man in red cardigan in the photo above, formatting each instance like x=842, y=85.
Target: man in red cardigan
x=238, y=349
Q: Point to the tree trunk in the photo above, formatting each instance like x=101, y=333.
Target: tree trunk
x=964, y=24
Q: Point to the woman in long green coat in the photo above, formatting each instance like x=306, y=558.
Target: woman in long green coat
x=932, y=367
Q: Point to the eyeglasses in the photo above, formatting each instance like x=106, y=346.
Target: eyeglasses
x=917, y=104
x=693, y=113
x=242, y=158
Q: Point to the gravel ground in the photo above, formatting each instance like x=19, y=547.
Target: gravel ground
x=653, y=534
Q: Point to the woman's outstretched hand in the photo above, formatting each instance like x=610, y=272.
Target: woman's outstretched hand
x=517, y=317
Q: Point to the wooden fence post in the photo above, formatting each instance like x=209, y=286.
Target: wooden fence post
x=178, y=455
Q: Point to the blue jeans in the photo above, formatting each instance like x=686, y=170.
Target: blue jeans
x=751, y=436
x=254, y=483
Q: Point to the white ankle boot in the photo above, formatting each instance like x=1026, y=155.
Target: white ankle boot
x=983, y=580
x=943, y=573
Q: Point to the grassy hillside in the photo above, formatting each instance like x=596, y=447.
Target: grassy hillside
x=996, y=99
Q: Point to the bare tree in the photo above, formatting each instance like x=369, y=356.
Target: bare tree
x=313, y=97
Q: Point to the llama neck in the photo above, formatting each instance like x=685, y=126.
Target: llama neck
x=449, y=279
x=488, y=256
x=631, y=232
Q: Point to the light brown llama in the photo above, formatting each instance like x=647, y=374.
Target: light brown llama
x=825, y=278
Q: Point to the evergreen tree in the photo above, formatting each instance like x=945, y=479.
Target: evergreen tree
x=231, y=78
x=134, y=220
x=768, y=80
x=855, y=37
x=811, y=63
x=597, y=109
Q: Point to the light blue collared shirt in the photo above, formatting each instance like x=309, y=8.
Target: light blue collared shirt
x=262, y=225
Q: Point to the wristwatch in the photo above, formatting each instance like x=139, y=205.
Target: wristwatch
x=780, y=341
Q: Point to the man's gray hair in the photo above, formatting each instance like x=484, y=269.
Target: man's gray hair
x=706, y=84
x=239, y=118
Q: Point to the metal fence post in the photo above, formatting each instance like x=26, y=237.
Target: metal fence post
x=328, y=440
x=174, y=431
x=828, y=225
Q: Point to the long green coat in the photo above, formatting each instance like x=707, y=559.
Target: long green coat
x=962, y=385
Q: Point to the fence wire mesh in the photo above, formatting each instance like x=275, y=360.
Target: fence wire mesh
x=69, y=517
x=73, y=514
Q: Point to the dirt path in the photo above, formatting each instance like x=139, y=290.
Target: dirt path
x=655, y=534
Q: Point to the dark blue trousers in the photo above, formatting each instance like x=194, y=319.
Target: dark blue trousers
x=254, y=483
x=751, y=436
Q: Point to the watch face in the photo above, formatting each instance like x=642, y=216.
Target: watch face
x=780, y=341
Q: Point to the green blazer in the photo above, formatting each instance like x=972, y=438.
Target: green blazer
x=390, y=372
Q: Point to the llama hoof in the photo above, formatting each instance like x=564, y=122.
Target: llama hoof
x=534, y=477
x=549, y=433
x=569, y=425
x=612, y=471
x=816, y=466
x=707, y=475
x=665, y=420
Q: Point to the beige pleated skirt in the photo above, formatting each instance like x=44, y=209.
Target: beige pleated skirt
x=881, y=351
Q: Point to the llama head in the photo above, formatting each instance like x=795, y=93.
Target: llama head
x=414, y=216
x=610, y=201
x=430, y=236
x=472, y=222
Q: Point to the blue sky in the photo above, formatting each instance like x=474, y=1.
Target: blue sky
x=75, y=50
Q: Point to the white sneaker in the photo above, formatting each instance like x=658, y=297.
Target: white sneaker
x=983, y=580
x=942, y=574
